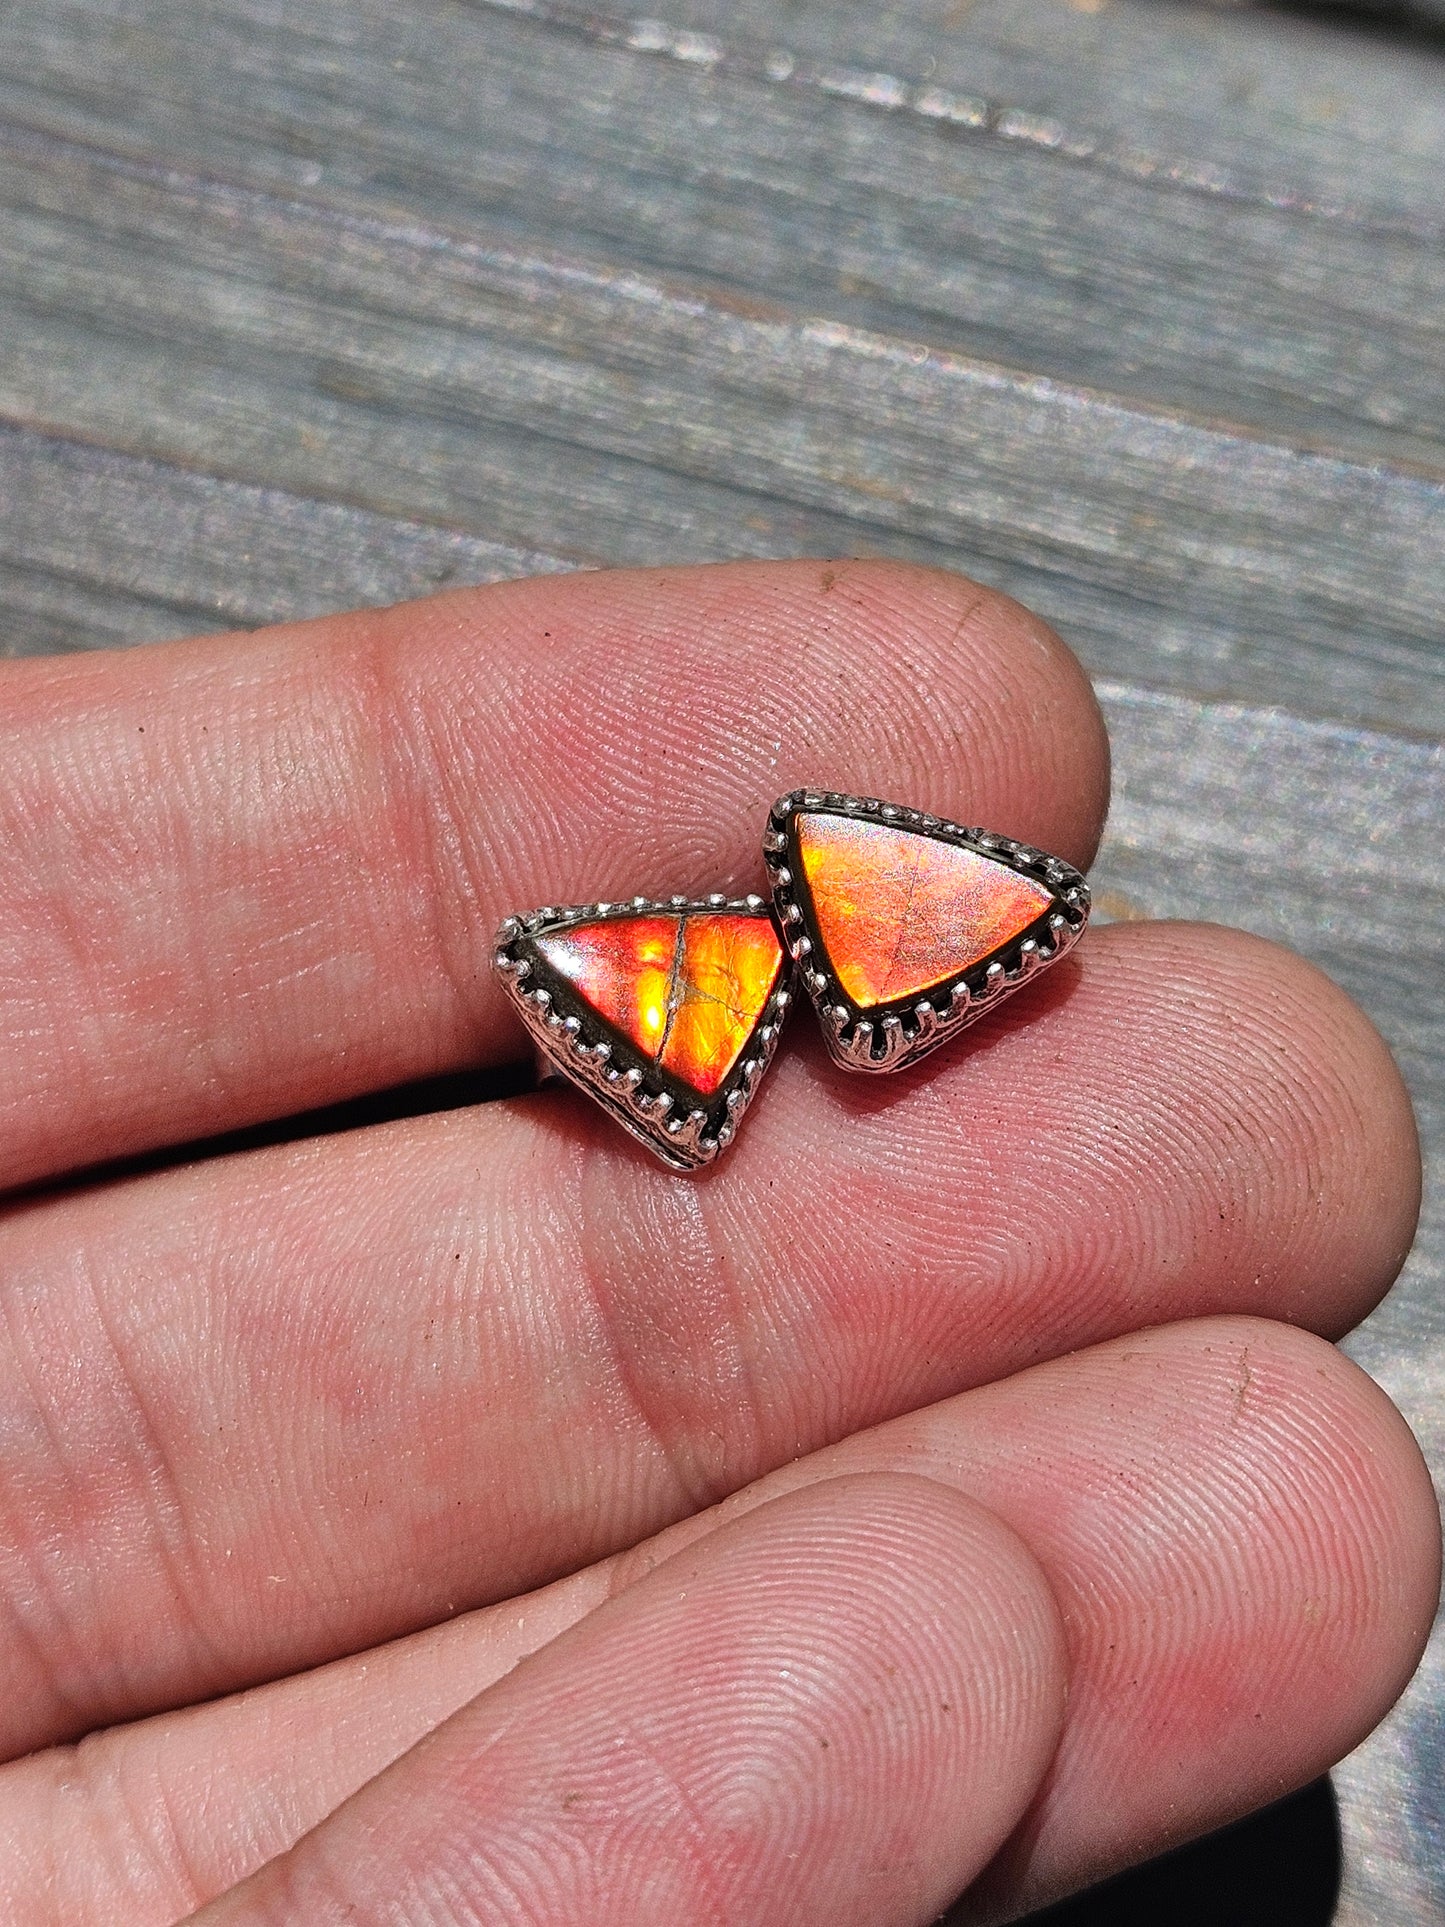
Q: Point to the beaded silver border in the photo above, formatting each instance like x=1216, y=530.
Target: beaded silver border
x=891, y=1036
x=583, y=1048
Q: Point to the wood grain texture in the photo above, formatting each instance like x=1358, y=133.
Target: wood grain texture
x=1151, y=229
x=1137, y=312
x=433, y=370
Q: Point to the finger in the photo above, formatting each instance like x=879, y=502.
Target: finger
x=831, y=1711
x=1238, y=1527
x=241, y=877
x=264, y=1411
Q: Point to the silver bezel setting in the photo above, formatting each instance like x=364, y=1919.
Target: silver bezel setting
x=889, y=1037
x=660, y=1110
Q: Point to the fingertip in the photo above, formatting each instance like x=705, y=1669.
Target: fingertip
x=1368, y=1142
x=923, y=1649
x=1344, y=1543
x=1247, y=1617
x=831, y=1710
x=982, y=1600
x=1286, y=1097
x=1376, y=1510
x=988, y=703
x=862, y=674
x=1050, y=688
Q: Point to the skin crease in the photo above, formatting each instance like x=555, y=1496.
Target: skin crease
x=1260, y=1430
x=270, y=1409
x=261, y=868
x=611, y=1384
x=935, y=1681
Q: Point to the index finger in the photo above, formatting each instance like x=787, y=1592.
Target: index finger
x=244, y=876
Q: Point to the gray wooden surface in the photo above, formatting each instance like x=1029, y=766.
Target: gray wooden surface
x=1135, y=309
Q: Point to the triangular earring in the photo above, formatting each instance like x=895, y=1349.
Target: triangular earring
x=907, y=927
x=666, y=1012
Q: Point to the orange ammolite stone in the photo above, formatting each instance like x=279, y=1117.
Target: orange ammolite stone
x=900, y=912
x=686, y=990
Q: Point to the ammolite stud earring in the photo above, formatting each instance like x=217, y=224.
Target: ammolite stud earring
x=666, y=1012
x=907, y=927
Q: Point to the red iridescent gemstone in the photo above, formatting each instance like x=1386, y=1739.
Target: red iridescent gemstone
x=900, y=912
x=686, y=990
x=623, y=967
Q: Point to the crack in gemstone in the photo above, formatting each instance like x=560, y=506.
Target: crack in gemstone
x=685, y=989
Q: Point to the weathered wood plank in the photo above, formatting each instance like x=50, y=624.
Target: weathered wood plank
x=1286, y=274
x=101, y=548
x=285, y=340
x=1292, y=110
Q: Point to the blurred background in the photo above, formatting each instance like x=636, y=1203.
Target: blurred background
x=1134, y=308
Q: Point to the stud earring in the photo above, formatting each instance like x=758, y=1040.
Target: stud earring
x=907, y=928
x=667, y=1013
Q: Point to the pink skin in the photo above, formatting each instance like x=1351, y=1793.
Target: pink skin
x=890, y=1671
x=266, y=1411
x=244, y=878
x=443, y=1412
x=1255, y=1488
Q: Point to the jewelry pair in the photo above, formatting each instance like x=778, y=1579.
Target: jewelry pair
x=903, y=928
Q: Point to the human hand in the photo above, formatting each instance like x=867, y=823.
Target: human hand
x=945, y=1486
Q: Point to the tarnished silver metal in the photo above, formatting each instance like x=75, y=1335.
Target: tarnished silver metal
x=572, y=1041
x=889, y=1037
